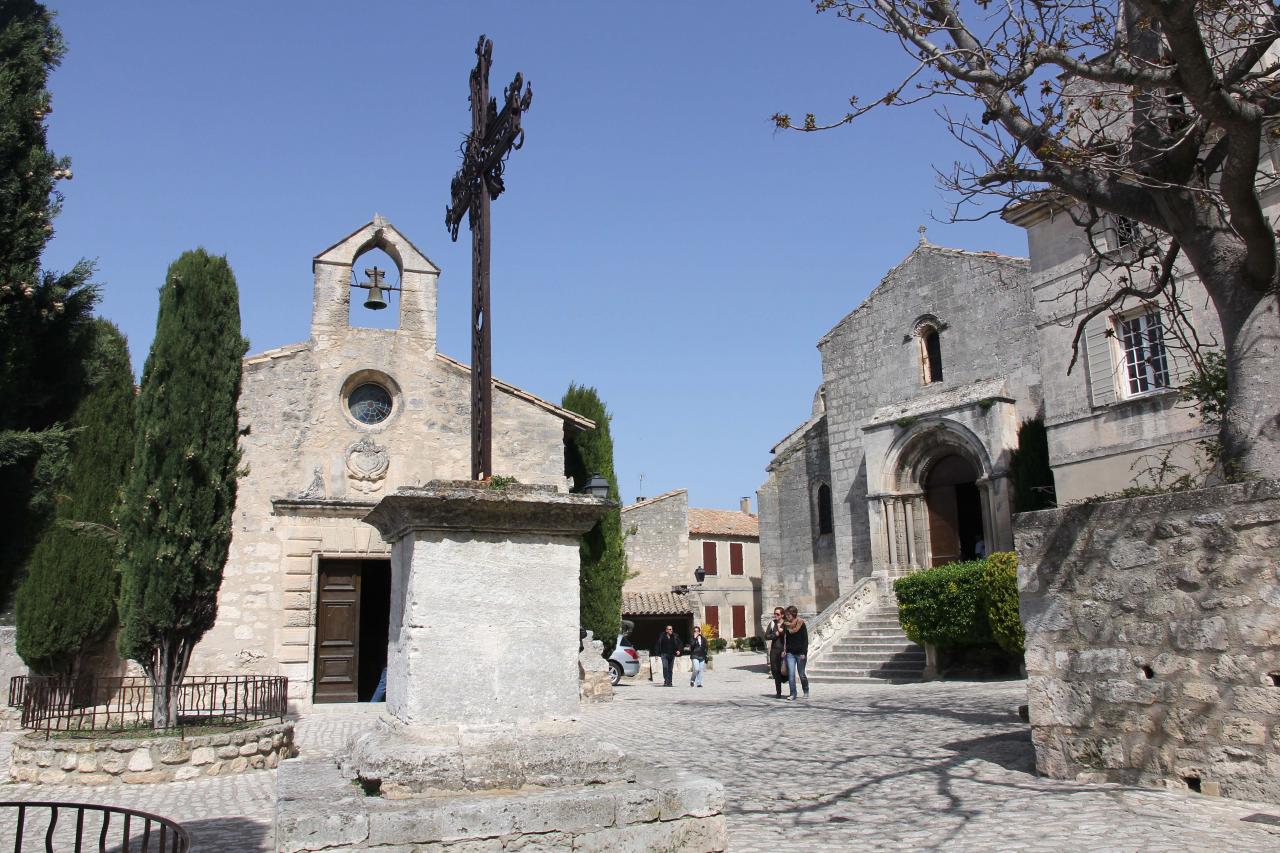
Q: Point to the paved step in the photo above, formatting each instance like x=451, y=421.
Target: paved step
x=873, y=651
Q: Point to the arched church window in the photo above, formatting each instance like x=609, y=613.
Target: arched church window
x=369, y=403
x=931, y=352
x=825, y=525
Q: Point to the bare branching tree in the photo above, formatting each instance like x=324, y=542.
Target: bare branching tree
x=1157, y=112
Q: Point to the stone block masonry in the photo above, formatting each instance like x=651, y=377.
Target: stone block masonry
x=1153, y=639
x=131, y=761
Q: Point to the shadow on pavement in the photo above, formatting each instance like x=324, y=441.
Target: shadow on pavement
x=1010, y=750
x=229, y=835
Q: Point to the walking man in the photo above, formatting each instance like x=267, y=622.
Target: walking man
x=668, y=648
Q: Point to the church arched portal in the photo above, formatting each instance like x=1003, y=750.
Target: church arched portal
x=955, y=506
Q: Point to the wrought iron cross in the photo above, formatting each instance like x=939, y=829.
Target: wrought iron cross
x=494, y=135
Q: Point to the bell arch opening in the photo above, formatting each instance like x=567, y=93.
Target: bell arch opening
x=374, y=294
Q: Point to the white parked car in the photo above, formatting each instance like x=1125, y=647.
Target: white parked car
x=624, y=660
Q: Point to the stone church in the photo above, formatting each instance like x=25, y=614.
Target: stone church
x=904, y=459
x=330, y=426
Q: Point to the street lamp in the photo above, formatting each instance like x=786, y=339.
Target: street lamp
x=699, y=574
x=597, y=487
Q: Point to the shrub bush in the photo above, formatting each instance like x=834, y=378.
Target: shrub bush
x=945, y=606
x=755, y=644
x=719, y=644
x=1000, y=580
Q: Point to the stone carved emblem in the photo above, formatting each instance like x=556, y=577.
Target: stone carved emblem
x=367, y=465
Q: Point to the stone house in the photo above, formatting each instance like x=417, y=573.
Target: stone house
x=329, y=427
x=903, y=462
x=666, y=542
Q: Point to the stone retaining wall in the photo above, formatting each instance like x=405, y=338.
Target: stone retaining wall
x=1153, y=639
x=68, y=761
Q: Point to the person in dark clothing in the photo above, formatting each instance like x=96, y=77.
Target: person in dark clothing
x=797, y=633
x=697, y=657
x=775, y=634
x=668, y=648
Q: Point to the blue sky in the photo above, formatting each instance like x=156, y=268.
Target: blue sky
x=659, y=240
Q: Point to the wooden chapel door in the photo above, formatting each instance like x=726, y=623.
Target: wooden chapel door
x=338, y=631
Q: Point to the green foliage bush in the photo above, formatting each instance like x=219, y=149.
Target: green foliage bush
x=755, y=644
x=963, y=604
x=719, y=644
x=1000, y=580
x=944, y=606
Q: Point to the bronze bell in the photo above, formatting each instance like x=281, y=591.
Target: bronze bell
x=376, y=301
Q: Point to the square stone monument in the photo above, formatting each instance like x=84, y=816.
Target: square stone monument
x=478, y=742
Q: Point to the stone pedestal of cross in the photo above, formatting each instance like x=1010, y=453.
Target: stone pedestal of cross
x=494, y=135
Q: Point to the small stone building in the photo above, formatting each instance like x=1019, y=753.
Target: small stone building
x=329, y=427
x=666, y=543
x=903, y=462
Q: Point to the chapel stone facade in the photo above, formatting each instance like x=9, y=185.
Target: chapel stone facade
x=330, y=426
x=903, y=462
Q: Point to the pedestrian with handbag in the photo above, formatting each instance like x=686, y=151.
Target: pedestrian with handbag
x=797, y=651
x=697, y=657
x=775, y=633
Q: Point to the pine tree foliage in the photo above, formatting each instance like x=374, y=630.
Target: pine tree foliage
x=176, y=512
x=44, y=329
x=68, y=599
x=604, y=562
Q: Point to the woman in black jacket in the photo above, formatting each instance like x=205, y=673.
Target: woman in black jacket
x=775, y=634
x=797, y=651
x=697, y=657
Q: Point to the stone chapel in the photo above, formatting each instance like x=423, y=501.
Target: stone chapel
x=329, y=427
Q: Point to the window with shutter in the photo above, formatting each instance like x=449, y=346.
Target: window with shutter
x=709, y=557
x=739, y=620
x=1097, y=355
x=1146, y=363
x=735, y=558
x=711, y=616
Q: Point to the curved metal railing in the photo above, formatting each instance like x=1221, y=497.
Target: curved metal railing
x=77, y=827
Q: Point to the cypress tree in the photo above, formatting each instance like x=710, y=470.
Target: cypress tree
x=44, y=328
x=175, y=515
x=68, y=599
x=604, y=562
x=1030, y=469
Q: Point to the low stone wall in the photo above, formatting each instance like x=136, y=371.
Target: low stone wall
x=1153, y=639
x=57, y=761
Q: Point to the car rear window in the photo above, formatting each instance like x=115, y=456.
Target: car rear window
x=625, y=643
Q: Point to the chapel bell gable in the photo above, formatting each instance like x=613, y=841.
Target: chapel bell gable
x=337, y=268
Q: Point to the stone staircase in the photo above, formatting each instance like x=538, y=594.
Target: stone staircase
x=874, y=650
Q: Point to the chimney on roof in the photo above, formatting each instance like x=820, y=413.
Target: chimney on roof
x=641, y=498
x=746, y=505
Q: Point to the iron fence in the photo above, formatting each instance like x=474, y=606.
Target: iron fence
x=17, y=687
x=77, y=827
x=89, y=705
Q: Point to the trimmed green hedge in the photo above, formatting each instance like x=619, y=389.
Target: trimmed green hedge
x=963, y=604
x=1000, y=578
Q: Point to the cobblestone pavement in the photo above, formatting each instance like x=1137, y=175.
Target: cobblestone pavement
x=859, y=767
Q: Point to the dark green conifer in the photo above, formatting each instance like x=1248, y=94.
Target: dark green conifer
x=1030, y=469
x=44, y=328
x=604, y=562
x=175, y=517
x=67, y=602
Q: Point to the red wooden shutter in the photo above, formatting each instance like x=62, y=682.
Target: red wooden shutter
x=739, y=620
x=735, y=558
x=709, y=557
x=712, y=618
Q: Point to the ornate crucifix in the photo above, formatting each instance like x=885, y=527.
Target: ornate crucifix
x=494, y=135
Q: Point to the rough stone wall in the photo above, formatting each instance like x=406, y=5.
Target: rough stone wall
x=1153, y=639
x=658, y=550
x=797, y=563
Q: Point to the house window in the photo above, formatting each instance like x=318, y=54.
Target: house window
x=735, y=558
x=824, y=510
x=1125, y=232
x=711, y=616
x=739, y=620
x=931, y=353
x=1146, y=363
x=709, y=557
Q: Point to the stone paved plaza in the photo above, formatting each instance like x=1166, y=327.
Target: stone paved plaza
x=914, y=767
